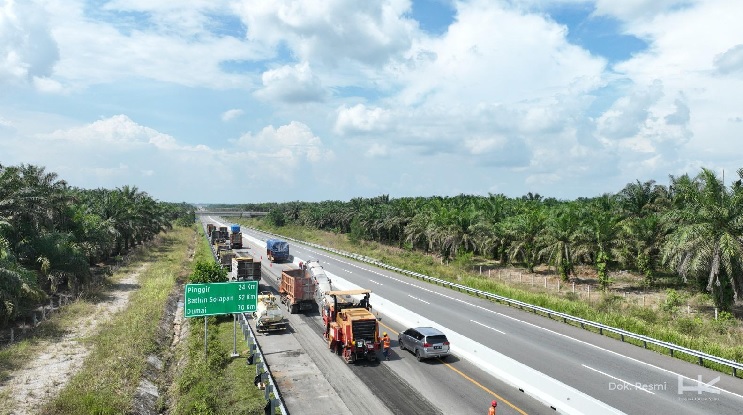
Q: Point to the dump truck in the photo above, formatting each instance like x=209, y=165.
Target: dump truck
x=277, y=250
x=236, y=237
x=268, y=315
x=245, y=267
x=351, y=330
x=297, y=290
x=225, y=259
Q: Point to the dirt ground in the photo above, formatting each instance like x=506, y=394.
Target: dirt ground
x=57, y=361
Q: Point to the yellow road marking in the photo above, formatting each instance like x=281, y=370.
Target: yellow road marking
x=460, y=373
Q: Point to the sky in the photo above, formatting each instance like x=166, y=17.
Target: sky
x=250, y=101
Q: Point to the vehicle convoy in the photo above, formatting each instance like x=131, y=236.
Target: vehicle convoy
x=268, y=315
x=297, y=290
x=244, y=267
x=236, y=237
x=352, y=331
x=277, y=250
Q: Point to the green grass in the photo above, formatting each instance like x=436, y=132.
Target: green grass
x=719, y=338
x=111, y=373
x=218, y=384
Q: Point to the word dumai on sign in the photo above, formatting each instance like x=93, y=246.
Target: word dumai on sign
x=220, y=298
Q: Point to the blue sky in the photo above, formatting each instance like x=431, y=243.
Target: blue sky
x=256, y=101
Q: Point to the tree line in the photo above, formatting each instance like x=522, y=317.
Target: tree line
x=691, y=229
x=52, y=233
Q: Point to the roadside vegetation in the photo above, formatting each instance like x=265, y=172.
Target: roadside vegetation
x=54, y=237
x=215, y=383
x=118, y=359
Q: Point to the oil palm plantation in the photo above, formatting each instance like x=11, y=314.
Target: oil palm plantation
x=706, y=237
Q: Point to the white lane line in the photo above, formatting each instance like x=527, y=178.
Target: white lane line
x=488, y=327
x=375, y=282
x=416, y=298
x=637, y=386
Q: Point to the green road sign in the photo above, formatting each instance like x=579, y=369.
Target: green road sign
x=220, y=298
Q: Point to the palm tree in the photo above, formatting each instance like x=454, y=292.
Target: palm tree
x=558, y=239
x=523, y=231
x=706, y=240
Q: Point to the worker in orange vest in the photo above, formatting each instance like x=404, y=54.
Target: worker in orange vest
x=386, y=346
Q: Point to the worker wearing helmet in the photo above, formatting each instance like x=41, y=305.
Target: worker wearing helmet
x=386, y=346
x=491, y=410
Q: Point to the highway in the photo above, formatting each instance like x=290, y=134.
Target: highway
x=501, y=351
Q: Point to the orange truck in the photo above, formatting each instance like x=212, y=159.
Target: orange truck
x=297, y=290
x=351, y=330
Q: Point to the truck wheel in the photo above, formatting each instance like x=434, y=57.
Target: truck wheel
x=294, y=309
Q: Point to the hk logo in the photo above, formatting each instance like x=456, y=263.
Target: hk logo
x=699, y=386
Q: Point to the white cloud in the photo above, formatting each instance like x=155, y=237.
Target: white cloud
x=230, y=115
x=27, y=49
x=331, y=31
x=377, y=150
x=730, y=61
x=284, y=149
x=360, y=119
x=291, y=84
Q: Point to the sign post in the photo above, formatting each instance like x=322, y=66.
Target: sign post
x=201, y=300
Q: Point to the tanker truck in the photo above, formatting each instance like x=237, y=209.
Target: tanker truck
x=351, y=330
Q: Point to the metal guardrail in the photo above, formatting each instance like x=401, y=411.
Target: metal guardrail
x=735, y=366
x=262, y=375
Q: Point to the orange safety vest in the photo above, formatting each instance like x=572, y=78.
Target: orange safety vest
x=386, y=342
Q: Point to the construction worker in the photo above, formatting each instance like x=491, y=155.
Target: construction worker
x=386, y=346
x=491, y=410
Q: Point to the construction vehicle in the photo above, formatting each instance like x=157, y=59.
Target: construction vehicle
x=351, y=330
x=297, y=290
x=277, y=250
x=236, y=237
x=268, y=315
x=245, y=267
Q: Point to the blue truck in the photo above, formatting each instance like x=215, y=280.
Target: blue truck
x=277, y=250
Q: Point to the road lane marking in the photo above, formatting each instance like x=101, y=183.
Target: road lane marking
x=488, y=327
x=462, y=374
x=621, y=380
x=416, y=298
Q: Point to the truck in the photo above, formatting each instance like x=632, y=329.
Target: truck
x=268, y=315
x=209, y=228
x=297, y=290
x=236, y=237
x=225, y=259
x=320, y=279
x=351, y=330
x=277, y=250
x=245, y=267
